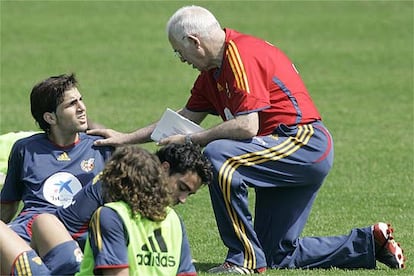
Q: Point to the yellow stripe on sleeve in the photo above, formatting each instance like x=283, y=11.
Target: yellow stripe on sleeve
x=237, y=67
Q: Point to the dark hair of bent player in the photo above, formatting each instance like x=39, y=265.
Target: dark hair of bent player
x=186, y=157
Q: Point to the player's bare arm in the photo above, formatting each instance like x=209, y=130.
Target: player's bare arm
x=239, y=128
x=196, y=117
x=116, y=138
x=7, y=211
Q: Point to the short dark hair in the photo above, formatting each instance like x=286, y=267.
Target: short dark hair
x=48, y=94
x=186, y=157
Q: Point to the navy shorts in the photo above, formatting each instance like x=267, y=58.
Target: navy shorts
x=22, y=225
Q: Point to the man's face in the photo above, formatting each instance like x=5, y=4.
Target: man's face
x=184, y=185
x=71, y=113
x=192, y=54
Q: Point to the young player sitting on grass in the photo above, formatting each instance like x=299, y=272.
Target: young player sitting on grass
x=47, y=169
x=135, y=232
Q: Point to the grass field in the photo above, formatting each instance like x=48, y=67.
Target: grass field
x=356, y=58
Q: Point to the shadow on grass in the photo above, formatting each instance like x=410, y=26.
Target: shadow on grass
x=203, y=267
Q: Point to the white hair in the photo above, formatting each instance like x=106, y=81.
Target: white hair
x=192, y=20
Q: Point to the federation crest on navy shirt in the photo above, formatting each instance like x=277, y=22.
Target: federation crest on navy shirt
x=88, y=165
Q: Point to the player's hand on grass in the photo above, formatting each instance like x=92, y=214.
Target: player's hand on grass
x=112, y=137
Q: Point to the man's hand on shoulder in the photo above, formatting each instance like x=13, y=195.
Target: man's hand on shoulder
x=112, y=137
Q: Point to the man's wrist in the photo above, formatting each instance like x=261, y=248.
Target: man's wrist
x=188, y=140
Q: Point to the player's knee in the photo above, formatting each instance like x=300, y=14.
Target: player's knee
x=64, y=259
x=42, y=222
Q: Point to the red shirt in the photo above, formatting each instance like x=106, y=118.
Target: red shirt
x=254, y=76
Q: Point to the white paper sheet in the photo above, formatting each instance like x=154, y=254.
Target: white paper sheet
x=172, y=123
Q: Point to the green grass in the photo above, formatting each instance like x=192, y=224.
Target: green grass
x=356, y=58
